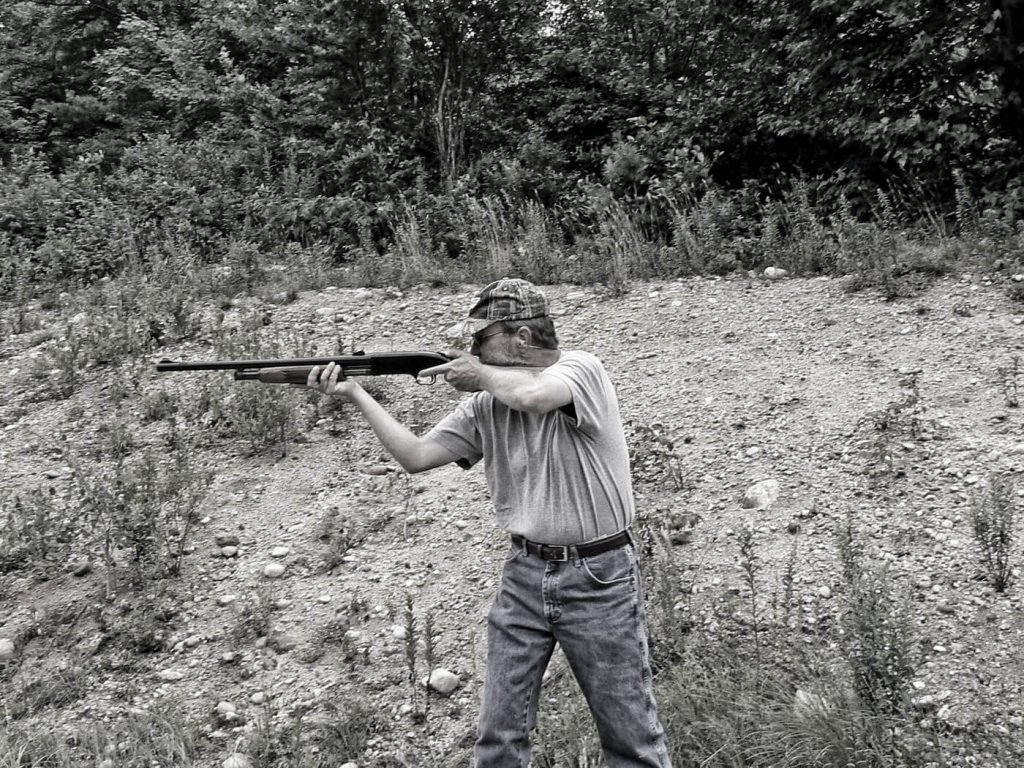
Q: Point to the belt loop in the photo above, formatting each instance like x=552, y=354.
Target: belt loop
x=574, y=555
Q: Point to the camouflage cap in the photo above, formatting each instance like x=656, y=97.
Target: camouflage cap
x=507, y=299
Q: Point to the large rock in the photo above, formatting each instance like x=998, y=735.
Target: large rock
x=443, y=681
x=761, y=495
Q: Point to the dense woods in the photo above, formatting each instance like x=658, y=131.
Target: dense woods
x=129, y=127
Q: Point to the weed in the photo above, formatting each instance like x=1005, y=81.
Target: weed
x=411, y=632
x=787, y=580
x=38, y=528
x=654, y=458
x=877, y=636
x=305, y=738
x=1009, y=379
x=670, y=613
x=993, y=518
x=901, y=419
x=256, y=613
x=750, y=564
x=265, y=416
x=141, y=503
x=69, y=358
x=58, y=686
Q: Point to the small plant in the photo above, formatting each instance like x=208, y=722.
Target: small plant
x=653, y=456
x=412, y=638
x=670, y=615
x=993, y=520
x=784, y=603
x=1009, y=378
x=142, y=503
x=750, y=564
x=877, y=639
x=36, y=527
x=904, y=418
x=69, y=358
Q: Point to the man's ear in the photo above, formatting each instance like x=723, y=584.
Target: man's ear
x=524, y=336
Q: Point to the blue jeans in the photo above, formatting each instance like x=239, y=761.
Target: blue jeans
x=594, y=609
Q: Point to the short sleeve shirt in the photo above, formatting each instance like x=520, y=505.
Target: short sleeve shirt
x=557, y=478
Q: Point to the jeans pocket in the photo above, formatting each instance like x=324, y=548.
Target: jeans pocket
x=612, y=567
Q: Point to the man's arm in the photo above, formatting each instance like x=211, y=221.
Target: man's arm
x=522, y=389
x=415, y=453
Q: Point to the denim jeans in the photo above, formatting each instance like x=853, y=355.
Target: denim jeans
x=594, y=609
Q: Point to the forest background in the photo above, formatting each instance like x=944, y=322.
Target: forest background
x=707, y=136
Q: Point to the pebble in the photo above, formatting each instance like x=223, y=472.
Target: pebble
x=274, y=570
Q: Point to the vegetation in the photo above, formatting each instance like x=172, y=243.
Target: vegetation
x=569, y=141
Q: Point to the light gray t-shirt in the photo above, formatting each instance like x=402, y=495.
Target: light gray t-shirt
x=556, y=478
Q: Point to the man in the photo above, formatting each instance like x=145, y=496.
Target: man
x=546, y=424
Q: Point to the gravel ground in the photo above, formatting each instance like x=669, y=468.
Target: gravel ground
x=751, y=380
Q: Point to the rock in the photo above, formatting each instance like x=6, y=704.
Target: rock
x=284, y=642
x=227, y=540
x=761, y=495
x=443, y=681
x=274, y=570
x=775, y=273
x=237, y=760
x=171, y=675
x=226, y=712
x=6, y=649
x=281, y=551
x=81, y=568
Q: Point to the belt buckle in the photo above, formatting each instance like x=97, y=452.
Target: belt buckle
x=563, y=558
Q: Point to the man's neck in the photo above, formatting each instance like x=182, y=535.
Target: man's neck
x=540, y=357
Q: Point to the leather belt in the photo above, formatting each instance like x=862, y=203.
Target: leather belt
x=564, y=552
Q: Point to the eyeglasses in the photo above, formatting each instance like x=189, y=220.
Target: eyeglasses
x=479, y=338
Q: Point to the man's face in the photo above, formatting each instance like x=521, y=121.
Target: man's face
x=493, y=345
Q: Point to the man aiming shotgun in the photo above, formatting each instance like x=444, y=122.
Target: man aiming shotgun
x=546, y=424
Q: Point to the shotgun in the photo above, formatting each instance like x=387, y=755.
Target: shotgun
x=296, y=370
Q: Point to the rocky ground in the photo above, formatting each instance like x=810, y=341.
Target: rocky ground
x=749, y=379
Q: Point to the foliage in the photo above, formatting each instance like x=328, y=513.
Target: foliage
x=994, y=519
x=657, y=137
x=140, y=503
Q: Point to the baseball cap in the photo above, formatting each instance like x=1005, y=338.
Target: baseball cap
x=507, y=299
